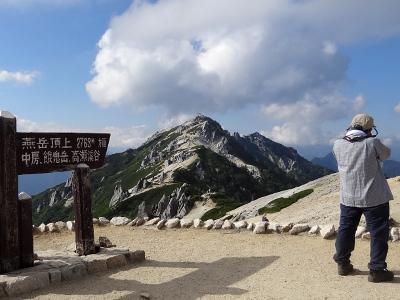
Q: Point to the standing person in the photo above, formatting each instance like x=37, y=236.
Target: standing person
x=363, y=190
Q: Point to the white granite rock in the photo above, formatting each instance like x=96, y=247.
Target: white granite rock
x=275, y=227
x=52, y=227
x=218, y=224
x=186, y=223
x=119, y=221
x=260, y=227
x=132, y=223
x=208, y=224
x=43, y=228
x=286, y=227
x=161, y=224
x=366, y=236
x=173, y=223
x=140, y=221
x=250, y=226
x=95, y=221
x=298, y=228
x=327, y=231
x=395, y=234
x=314, y=230
x=61, y=225
x=71, y=225
x=227, y=225
x=197, y=223
x=103, y=221
x=152, y=222
x=359, y=232
x=240, y=224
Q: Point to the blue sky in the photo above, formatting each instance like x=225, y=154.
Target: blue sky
x=295, y=71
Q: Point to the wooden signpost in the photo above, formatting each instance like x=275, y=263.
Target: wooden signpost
x=32, y=153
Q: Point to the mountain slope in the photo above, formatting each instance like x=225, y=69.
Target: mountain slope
x=197, y=160
x=318, y=208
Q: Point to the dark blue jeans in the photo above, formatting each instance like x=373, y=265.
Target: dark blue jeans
x=377, y=218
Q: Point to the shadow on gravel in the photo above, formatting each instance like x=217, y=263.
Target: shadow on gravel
x=213, y=278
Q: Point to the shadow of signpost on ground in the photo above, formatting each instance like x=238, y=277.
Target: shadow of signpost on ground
x=214, y=278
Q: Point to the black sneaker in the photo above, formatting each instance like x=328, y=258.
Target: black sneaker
x=380, y=275
x=346, y=269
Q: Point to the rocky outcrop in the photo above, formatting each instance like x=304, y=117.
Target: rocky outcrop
x=178, y=204
x=118, y=196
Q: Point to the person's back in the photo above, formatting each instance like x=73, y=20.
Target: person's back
x=362, y=181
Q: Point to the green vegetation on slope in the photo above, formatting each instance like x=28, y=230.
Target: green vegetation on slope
x=224, y=204
x=278, y=204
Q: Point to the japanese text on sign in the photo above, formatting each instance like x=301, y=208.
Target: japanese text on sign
x=43, y=150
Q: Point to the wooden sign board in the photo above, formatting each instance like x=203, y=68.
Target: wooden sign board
x=55, y=152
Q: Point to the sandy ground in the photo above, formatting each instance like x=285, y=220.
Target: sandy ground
x=199, y=264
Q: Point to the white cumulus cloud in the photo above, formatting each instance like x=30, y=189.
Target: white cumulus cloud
x=303, y=120
x=20, y=77
x=189, y=55
x=397, y=108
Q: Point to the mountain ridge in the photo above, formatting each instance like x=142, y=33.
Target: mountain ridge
x=194, y=161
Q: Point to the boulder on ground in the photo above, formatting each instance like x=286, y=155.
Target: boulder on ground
x=140, y=221
x=314, y=230
x=218, y=224
x=105, y=242
x=275, y=227
x=197, y=223
x=227, y=225
x=161, y=224
x=327, y=231
x=186, y=223
x=43, y=228
x=95, y=221
x=395, y=234
x=52, y=227
x=366, y=236
x=260, y=227
x=173, y=223
x=359, y=232
x=286, y=227
x=298, y=228
x=152, y=222
x=119, y=221
x=250, y=226
x=61, y=225
x=133, y=222
x=208, y=224
x=103, y=221
x=240, y=224
x=70, y=225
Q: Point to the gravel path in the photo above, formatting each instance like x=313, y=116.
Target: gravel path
x=198, y=264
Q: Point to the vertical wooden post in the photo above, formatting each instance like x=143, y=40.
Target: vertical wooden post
x=25, y=230
x=84, y=233
x=9, y=241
